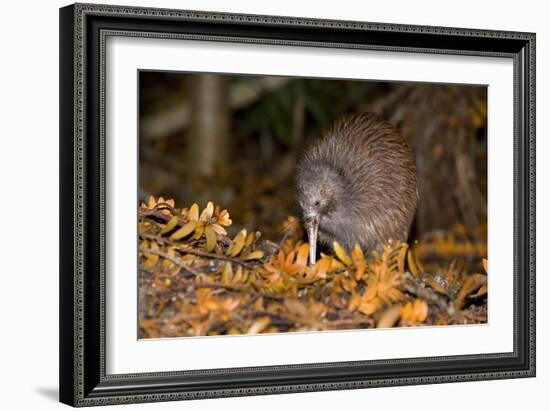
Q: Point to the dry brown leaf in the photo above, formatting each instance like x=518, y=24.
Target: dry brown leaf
x=341, y=291
x=471, y=284
x=184, y=231
x=482, y=291
x=412, y=264
x=259, y=325
x=431, y=281
x=389, y=317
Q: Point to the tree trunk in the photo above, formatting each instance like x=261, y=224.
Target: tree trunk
x=210, y=123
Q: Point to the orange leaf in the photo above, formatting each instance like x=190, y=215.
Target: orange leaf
x=401, y=258
x=415, y=311
x=360, y=272
x=303, y=252
x=357, y=254
x=354, y=302
x=322, y=266
x=369, y=307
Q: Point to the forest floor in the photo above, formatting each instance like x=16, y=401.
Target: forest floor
x=194, y=279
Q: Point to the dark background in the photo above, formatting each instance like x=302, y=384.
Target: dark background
x=235, y=140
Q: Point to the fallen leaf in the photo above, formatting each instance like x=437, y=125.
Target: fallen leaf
x=254, y=255
x=210, y=238
x=341, y=254
x=184, y=231
x=194, y=212
x=414, y=311
x=237, y=245
x=303, y=253
x=170, y=225
x=389, y=317
x=259, y=325
x=471, y=284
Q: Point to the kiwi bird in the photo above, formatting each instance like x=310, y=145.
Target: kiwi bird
x=357, y=184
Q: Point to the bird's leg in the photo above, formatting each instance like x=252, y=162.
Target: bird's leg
x=312, y=227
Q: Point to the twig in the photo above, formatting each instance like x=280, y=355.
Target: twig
x=254, y=293
x=176, y=261
x=154, y=214
x=194, y=251
x=235, y=288
x=348, y=322
x=200, y=253
x=412, y=287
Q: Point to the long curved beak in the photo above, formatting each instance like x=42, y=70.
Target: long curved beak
x=311, y=223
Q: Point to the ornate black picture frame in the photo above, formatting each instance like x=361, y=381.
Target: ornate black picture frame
x=83, y=30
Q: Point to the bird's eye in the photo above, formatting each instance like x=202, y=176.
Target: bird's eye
x=317, y=203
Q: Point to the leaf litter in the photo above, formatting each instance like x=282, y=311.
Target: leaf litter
x=195, y=279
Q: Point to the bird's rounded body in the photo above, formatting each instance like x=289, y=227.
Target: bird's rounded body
x=357, y=183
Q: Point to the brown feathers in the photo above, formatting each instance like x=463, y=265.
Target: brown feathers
x=357, y=183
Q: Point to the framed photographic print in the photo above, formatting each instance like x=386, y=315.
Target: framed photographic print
x=261, y=204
